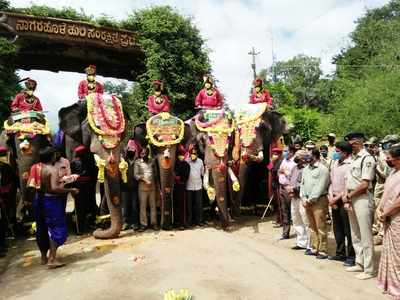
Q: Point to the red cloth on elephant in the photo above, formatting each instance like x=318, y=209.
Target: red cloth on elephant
x=20, y=103
x=265, y=97
x=213, y=101
x=156, y=108
x=83, y=89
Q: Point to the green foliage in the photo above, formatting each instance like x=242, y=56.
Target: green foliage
x=46, y=11
x=8, y=79
x=281, y=94
x=366, y=82
x=175, y=53
x=4, y=4
x=302, y=77
x=305, y=122
x=371, y=107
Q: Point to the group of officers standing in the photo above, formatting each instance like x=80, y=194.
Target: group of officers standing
x=342, y=182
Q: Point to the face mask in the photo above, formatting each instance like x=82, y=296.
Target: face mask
x=390, y=163
x=90, y=78
x=285, y=154
x=207, y=86
x=308, y=159
x=181, y=157
x=258, y=89
x=193, y=157
x=336, y=155
x=29, y=92
x=130, y=154
x=324, y=154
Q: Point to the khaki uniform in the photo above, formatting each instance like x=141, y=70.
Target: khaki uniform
x=314, y=188
x=362, y=167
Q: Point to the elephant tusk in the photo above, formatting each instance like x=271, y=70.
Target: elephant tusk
x=206, y=179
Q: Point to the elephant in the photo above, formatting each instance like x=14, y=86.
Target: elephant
x=165, y=154
x=81, y=127
x=24, y=135
x=212, y=132
x=252, y=143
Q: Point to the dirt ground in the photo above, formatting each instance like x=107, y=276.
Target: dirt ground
x=247, y=263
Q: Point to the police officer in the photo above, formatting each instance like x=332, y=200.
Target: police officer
x=358, y=201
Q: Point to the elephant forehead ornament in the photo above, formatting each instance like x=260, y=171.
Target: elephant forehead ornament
x=219, y=130
x=248, y=120
x=165, y=130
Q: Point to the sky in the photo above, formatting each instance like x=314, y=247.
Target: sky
x=231, y=28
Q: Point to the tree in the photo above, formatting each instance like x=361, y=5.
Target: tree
x=302, y=76
x=8, y=79
x=175, y=53
x=365, y=86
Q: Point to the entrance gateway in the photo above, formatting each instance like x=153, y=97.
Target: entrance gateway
x=63, y=45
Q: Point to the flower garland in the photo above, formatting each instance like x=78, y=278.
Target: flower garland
x=164, y=116
x=90, y=107
x=116, y=108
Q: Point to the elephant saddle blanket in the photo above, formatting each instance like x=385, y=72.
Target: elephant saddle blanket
x=27, y=123
x=248, y=118
x=165, y=129
x=106, y=118
x=219, y=127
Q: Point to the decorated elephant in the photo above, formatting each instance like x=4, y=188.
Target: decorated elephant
x=163, y=132
x=213, y=131
x=99, y=124
x=257, y=129
x=24, y=134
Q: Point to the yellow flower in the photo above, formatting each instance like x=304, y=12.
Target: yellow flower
x=236, y=186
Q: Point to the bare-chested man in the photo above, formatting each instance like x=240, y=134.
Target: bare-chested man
x=51, y=228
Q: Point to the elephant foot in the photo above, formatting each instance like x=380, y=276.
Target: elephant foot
x=110, y=233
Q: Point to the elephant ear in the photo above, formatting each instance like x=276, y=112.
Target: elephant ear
x=71, y=118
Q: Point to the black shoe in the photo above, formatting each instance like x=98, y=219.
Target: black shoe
x=135, y=227
x=349, y=262
x=298, y=248
x=142, y=228
x=310, y=253
x=337, y=258
x=155, y=228
x=277, y=226
x=321, y=256
x=283, y=238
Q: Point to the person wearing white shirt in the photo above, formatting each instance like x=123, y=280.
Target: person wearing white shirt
x=284, y=172
x=194, y=189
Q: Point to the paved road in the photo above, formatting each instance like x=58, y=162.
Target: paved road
x=248, y=263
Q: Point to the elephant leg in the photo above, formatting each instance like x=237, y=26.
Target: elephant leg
x=219, y=179
x=238, y=197
x=113, y=197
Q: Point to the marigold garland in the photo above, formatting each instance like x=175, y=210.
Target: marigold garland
x=91, y=108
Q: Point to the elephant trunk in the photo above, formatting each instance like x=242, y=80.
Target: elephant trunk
x=113, y=196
